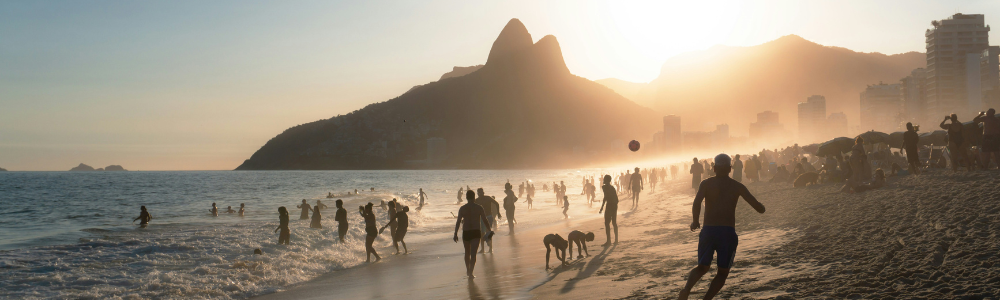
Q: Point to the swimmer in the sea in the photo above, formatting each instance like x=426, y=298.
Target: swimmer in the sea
x=341, y=219
x=229, y=210
x=554, y=240
x=305, y=210
x=242, y=206
x=470, y=218
x=285, y=234
x=144, y=217
x=580, y=239
x=214, y=210
x=319, y=204
x=383, y=205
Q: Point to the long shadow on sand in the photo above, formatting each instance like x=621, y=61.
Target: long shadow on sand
x=589, y=269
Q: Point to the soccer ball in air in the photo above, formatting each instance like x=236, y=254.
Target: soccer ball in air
x=633, y=145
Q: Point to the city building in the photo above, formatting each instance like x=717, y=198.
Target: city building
x=953, y=82
x=914, y=96
x=673, y=142
x=720, y=137
x=812, y=119
x=882, y=108
x=767, y=127
x=836, y=125
x=989, y=68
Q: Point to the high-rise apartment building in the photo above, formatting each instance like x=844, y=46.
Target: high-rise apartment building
x=989, y=68
x=812, y=119
x=882, y=108
x=767, y=127
x=949, y=45
x=673, y=142
x=914, y=96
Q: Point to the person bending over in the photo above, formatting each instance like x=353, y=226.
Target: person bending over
x=554, y=240
x=580, y=239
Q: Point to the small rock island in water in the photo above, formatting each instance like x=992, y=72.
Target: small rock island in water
x=84, y=167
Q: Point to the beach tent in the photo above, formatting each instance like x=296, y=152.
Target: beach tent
x=835, y=146
x=896, y=139
x=873, y=137
x=937, y=137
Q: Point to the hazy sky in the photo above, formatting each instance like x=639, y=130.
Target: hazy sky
x=201, y=85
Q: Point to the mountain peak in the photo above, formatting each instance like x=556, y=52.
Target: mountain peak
x=512, y=39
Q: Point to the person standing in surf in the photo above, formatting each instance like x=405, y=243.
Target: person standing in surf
x=317, y=217
x=341, y=219
x=371, y=231
x=470, y=217
x=721, y=194
x=611, y=214
x=144, y=217
x=285, y=234
x=242, y=208
x=391, y=217
x=214, y=210
x=402, y=222
x=422, y=195
x=508, y=205
x=305, y=210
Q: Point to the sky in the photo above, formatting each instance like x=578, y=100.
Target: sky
x=201, y=85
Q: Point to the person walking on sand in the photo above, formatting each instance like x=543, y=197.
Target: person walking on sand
x=214, y=210
x=910, y=142
x=341, y=219
x=285, y=234
x=305, y=210
x=637, y=187
x=371, y=231
x=508, y=205
x=143, y=217
x=721, y=194
x=696, y=170
x=470, y=217
x=611, y=214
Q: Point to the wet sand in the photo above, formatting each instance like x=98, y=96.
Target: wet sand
x=921, y=237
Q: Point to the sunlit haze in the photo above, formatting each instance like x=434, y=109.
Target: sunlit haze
x=196, y=85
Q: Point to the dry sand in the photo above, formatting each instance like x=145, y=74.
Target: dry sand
x=932, y=236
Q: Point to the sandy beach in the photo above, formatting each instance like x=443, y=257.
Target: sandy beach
x=921, y=237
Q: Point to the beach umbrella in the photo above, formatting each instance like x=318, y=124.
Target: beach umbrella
x=937, y=137
x=896, y=139
x=835, y=146
x=872, y=137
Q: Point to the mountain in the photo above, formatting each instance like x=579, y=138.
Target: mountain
x=731, y=84
x=461, y=71
x=82, y=167
x=3, y=170
x=627, y=89
x=522, y=109
x=114, y=168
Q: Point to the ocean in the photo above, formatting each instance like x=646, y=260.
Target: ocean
x=71, y=235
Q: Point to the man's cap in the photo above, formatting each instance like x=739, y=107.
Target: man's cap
x=723, y=160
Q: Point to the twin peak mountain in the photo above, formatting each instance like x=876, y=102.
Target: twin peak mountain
x=522, y=109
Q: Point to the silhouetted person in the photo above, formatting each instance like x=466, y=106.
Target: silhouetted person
x=242, y=208
x=317, y=217
x=214, y=210
x=285, y=234
x=859, y=159
x=341, y=218
x=956, y=142
x=399, y=221
x=520, y=190
x=143, y=217
x=229, y=210
x=422, y=195
x=990, y=149
x=910, y=141
x=491, y=209
x=305, y=210
x=371, y=231
x=637, y=187
x=459, y=197
x=531, y=193
x=508, y=204
x=721, y=194
x=391, y=223
x=580, y=239
x=556, y=241
x=738, y=169
x=470, y=217
x=319, y=205
x=565, y=207
x=611, y=213
x=696, y=170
